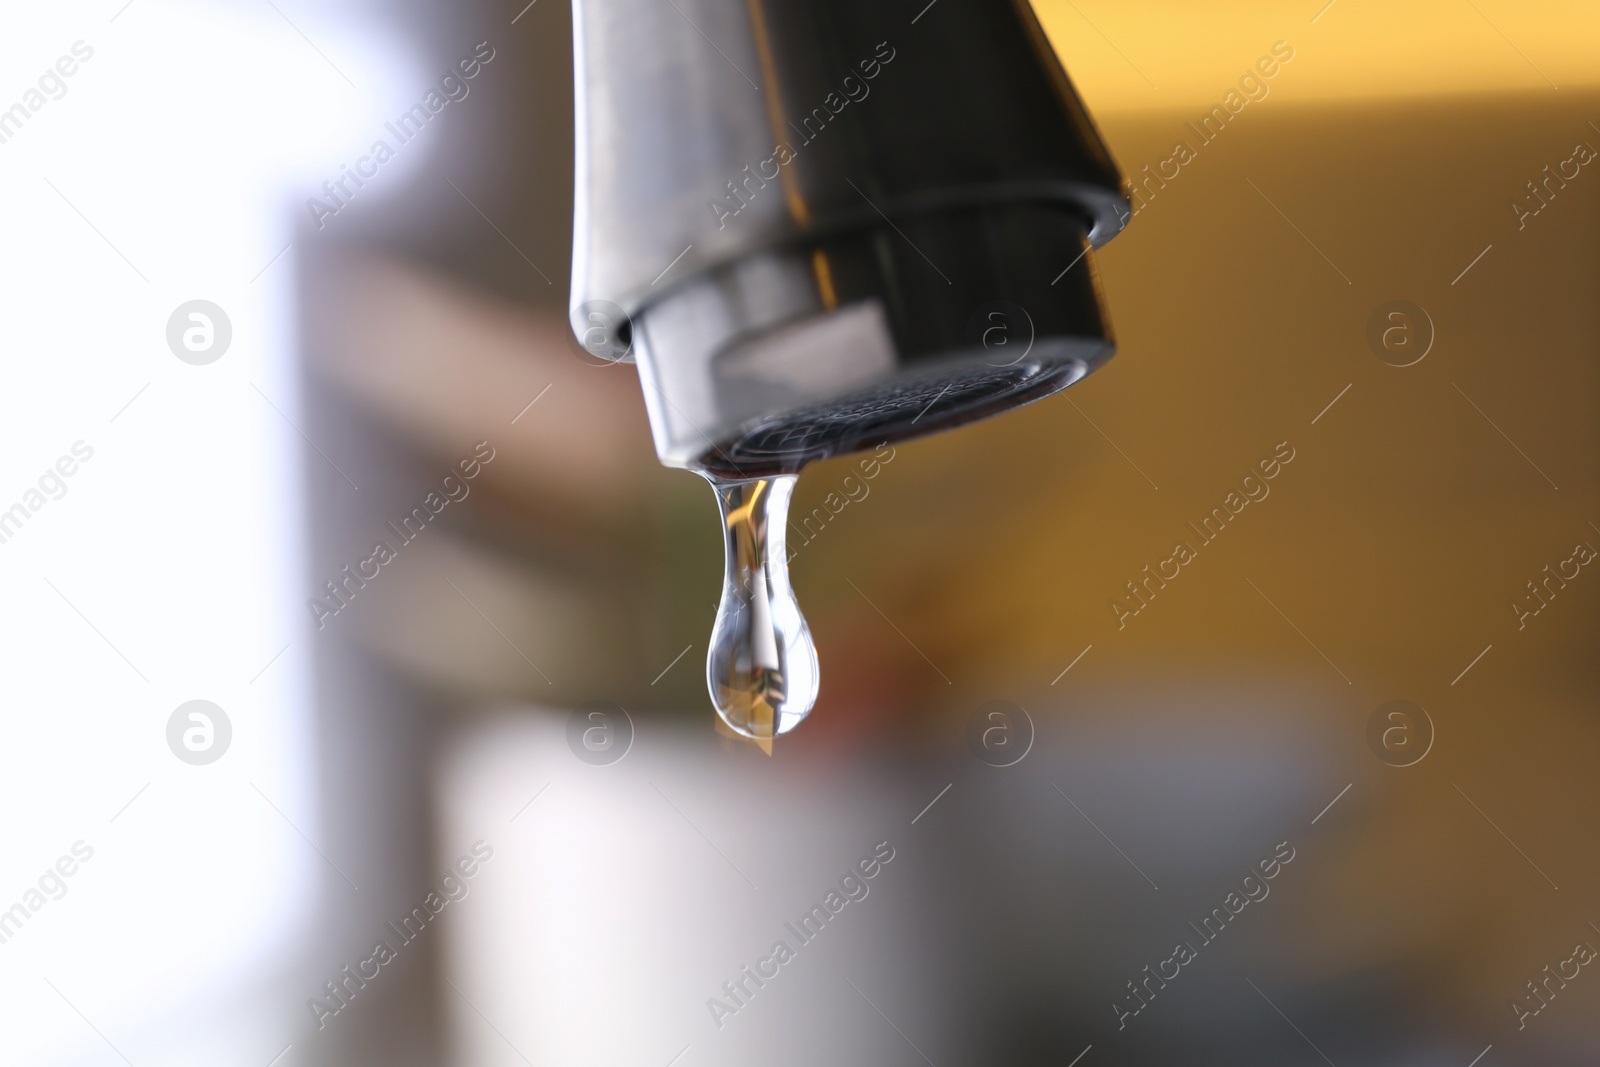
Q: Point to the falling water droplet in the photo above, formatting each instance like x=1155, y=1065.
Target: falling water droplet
x=762, y=667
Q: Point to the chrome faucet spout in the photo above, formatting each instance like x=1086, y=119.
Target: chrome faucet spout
x=819, y=226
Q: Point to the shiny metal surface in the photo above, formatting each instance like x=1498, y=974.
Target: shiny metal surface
x=784, y=211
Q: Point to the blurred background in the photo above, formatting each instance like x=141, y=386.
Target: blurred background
x=1071, y=765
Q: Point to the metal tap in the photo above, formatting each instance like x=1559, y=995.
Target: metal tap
x=821, y=225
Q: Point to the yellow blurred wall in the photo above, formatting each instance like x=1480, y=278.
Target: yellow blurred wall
x=1177, y=54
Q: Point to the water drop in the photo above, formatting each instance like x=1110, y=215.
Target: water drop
x=762, y=667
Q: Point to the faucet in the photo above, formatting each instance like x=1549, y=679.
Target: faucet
x=827, y=225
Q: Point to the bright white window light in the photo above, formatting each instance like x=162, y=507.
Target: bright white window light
x=158, y=157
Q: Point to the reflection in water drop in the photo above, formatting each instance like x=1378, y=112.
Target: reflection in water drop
x=762, y=668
